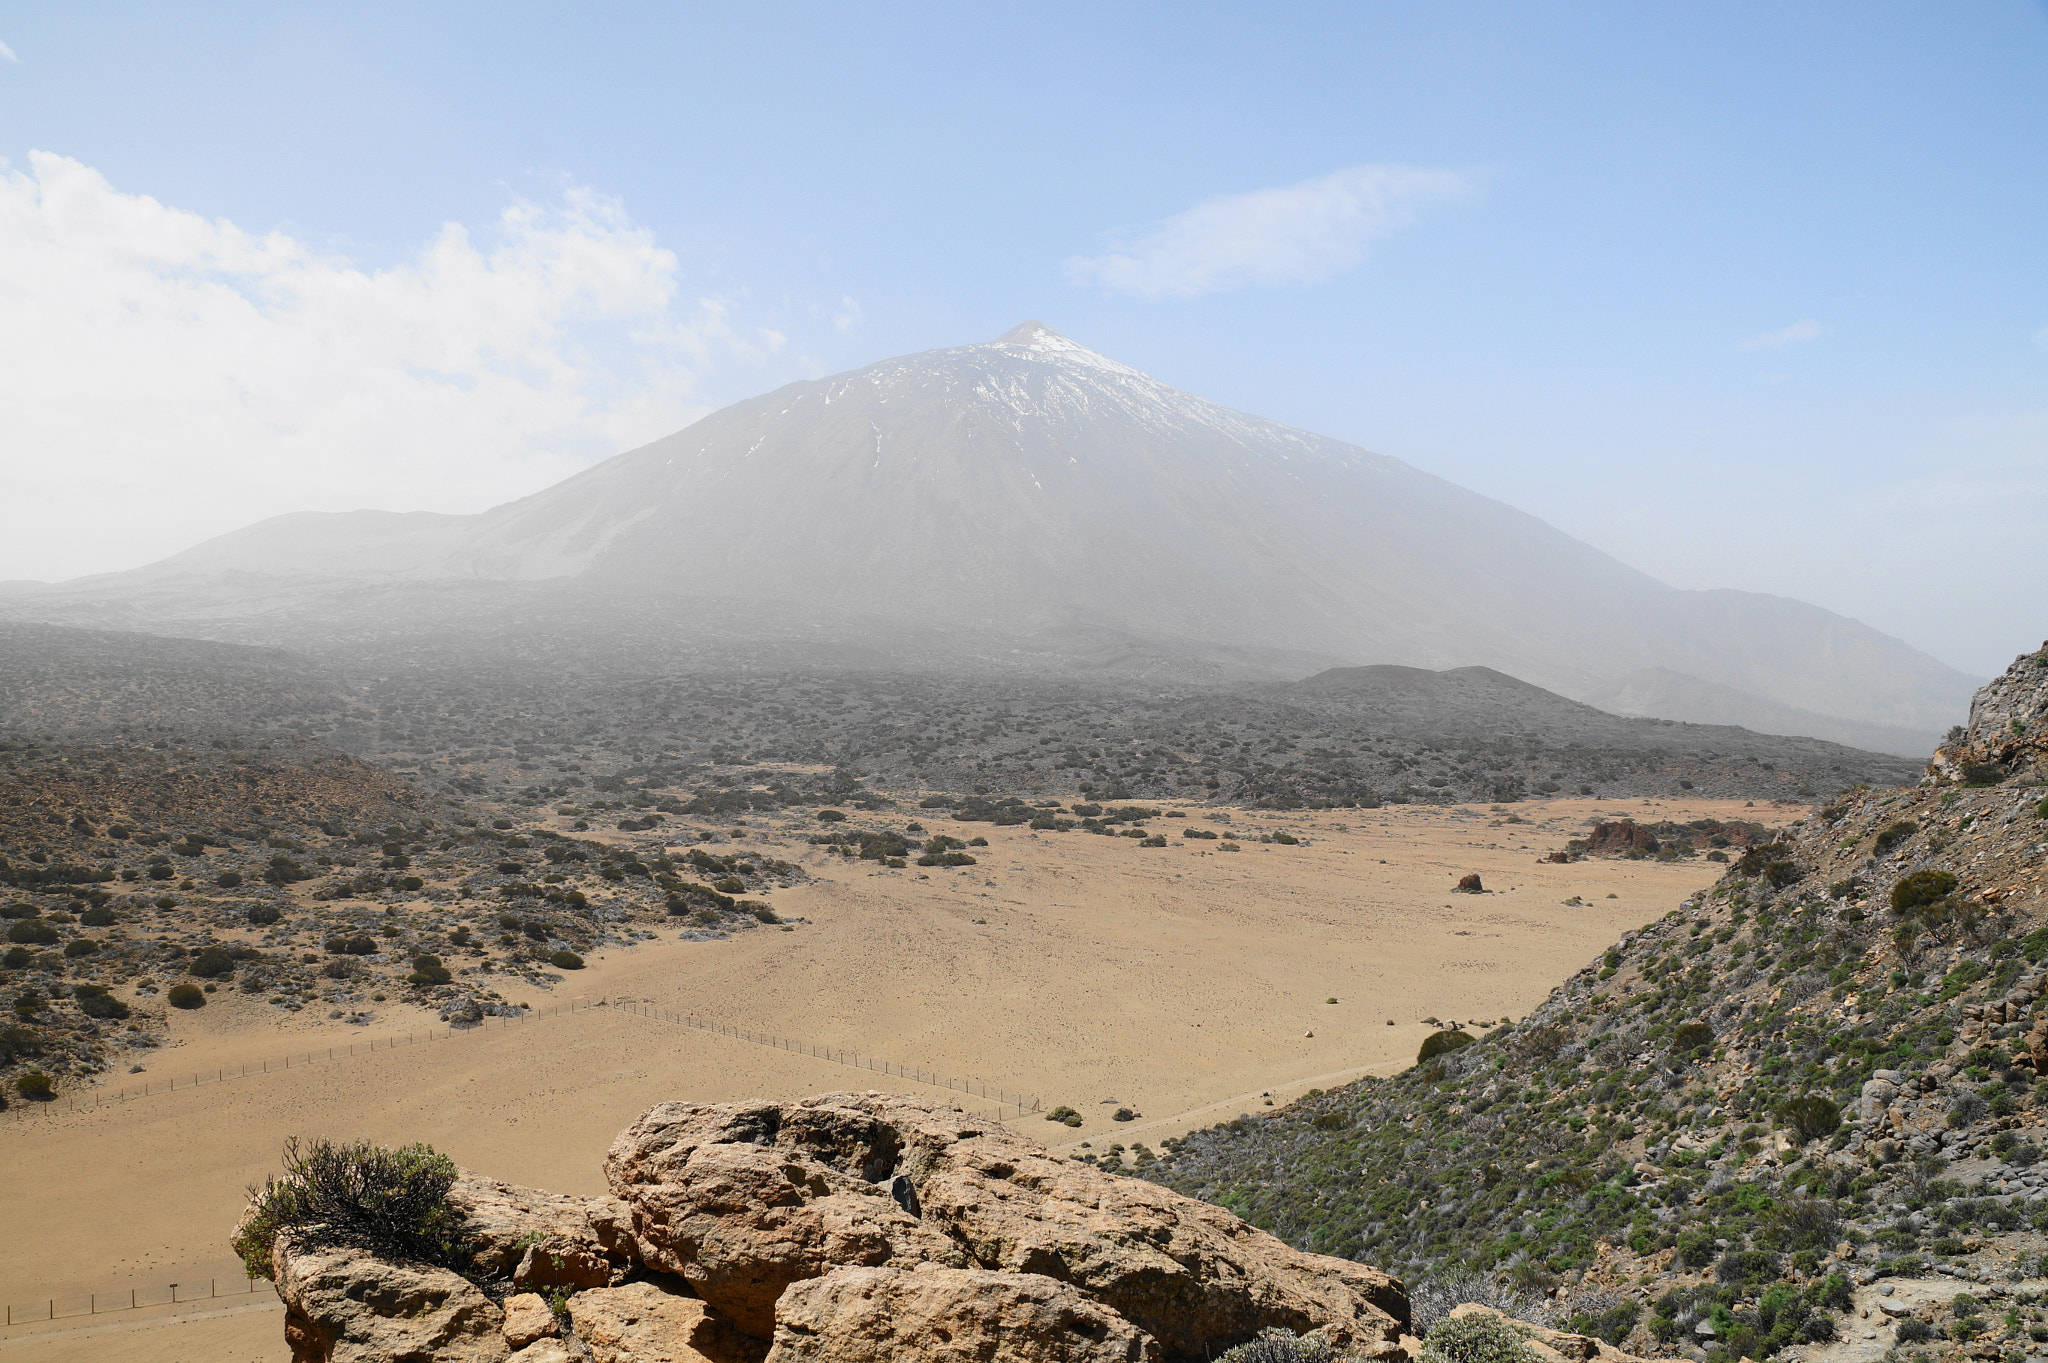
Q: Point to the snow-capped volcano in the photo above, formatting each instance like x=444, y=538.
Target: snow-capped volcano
x=1029, y=483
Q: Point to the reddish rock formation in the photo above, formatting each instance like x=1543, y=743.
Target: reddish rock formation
x=1469, y=884
x=1620, y=837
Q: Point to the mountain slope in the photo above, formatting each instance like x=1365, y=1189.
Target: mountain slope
x=1824, y=1071
x=1661, y=693
x=1030, y=485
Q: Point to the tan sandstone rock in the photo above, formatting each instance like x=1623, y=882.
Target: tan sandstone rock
x=745, y=1199
x=528, y=1318
x=348, y=1306
x=643, y=1323
x=509, y=1222
x=717, y=1200
x=949, y=1315
x=544, y=1351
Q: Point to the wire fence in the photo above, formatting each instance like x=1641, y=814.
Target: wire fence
x=134, y=1299
x=66, y=1306
x=974, y=1088
x=84, y=1100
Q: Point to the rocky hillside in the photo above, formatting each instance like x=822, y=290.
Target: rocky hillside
x=155, y=872
x=1821, y=1077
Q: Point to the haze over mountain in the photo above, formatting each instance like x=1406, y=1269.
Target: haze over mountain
x=1031, y=494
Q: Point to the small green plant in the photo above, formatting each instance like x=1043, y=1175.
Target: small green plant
x=394, y=1202
x=1283, y=1346
x=1894, y=834
x=1809, y=1117
x=36, y=1086
x=95, y=1002
x=1691, y=1036
x=1065, y=1114
x=1920, y=889
x=1442, y=1043
x=212, y=963
x=566, y=959
x=186, y=996
x=1480, y=1337
x=428, y=970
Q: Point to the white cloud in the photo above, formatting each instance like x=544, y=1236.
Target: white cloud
x=848, y=315
x=166, y=377
x=1294, y=234
x=1805, y=329
x=8, y=53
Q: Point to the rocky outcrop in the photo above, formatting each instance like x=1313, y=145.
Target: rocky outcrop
x=949, y=1315
x=348, y=1306
x=743, y=1200
x=846, y=1227
x=647, y=1322
x=1620, y=837
x=2007, y=734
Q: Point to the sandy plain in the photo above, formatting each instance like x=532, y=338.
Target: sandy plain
x=1185, y=982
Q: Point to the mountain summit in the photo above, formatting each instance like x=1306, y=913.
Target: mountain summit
x=1029, y=484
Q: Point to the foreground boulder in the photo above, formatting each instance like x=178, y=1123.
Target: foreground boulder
x=348, y=1306
x=940, y=1315
x=845, y=1227
x=741, y=1197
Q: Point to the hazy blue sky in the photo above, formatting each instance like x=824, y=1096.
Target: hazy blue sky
x=1747, y=294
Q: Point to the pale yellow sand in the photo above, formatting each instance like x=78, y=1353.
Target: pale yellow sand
x=1181, y=981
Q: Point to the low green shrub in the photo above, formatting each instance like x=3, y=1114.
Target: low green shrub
x=1442, y=1043
x=1283, y=1346
x=427, y=969
x=1691, y=1036
x=566, y=960
x=1894, y=834
x=392, y=1202
x=95, y=1002
x=1480, y=1337
x=1921, y=888
x=186, y=996
x=36, y=1086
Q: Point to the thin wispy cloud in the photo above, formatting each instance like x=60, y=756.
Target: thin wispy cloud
x=1805, y=329
x=1292, y=234
x=167, y=376
x=7, y=53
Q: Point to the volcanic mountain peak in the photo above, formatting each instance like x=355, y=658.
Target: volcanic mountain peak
x=989, y=489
